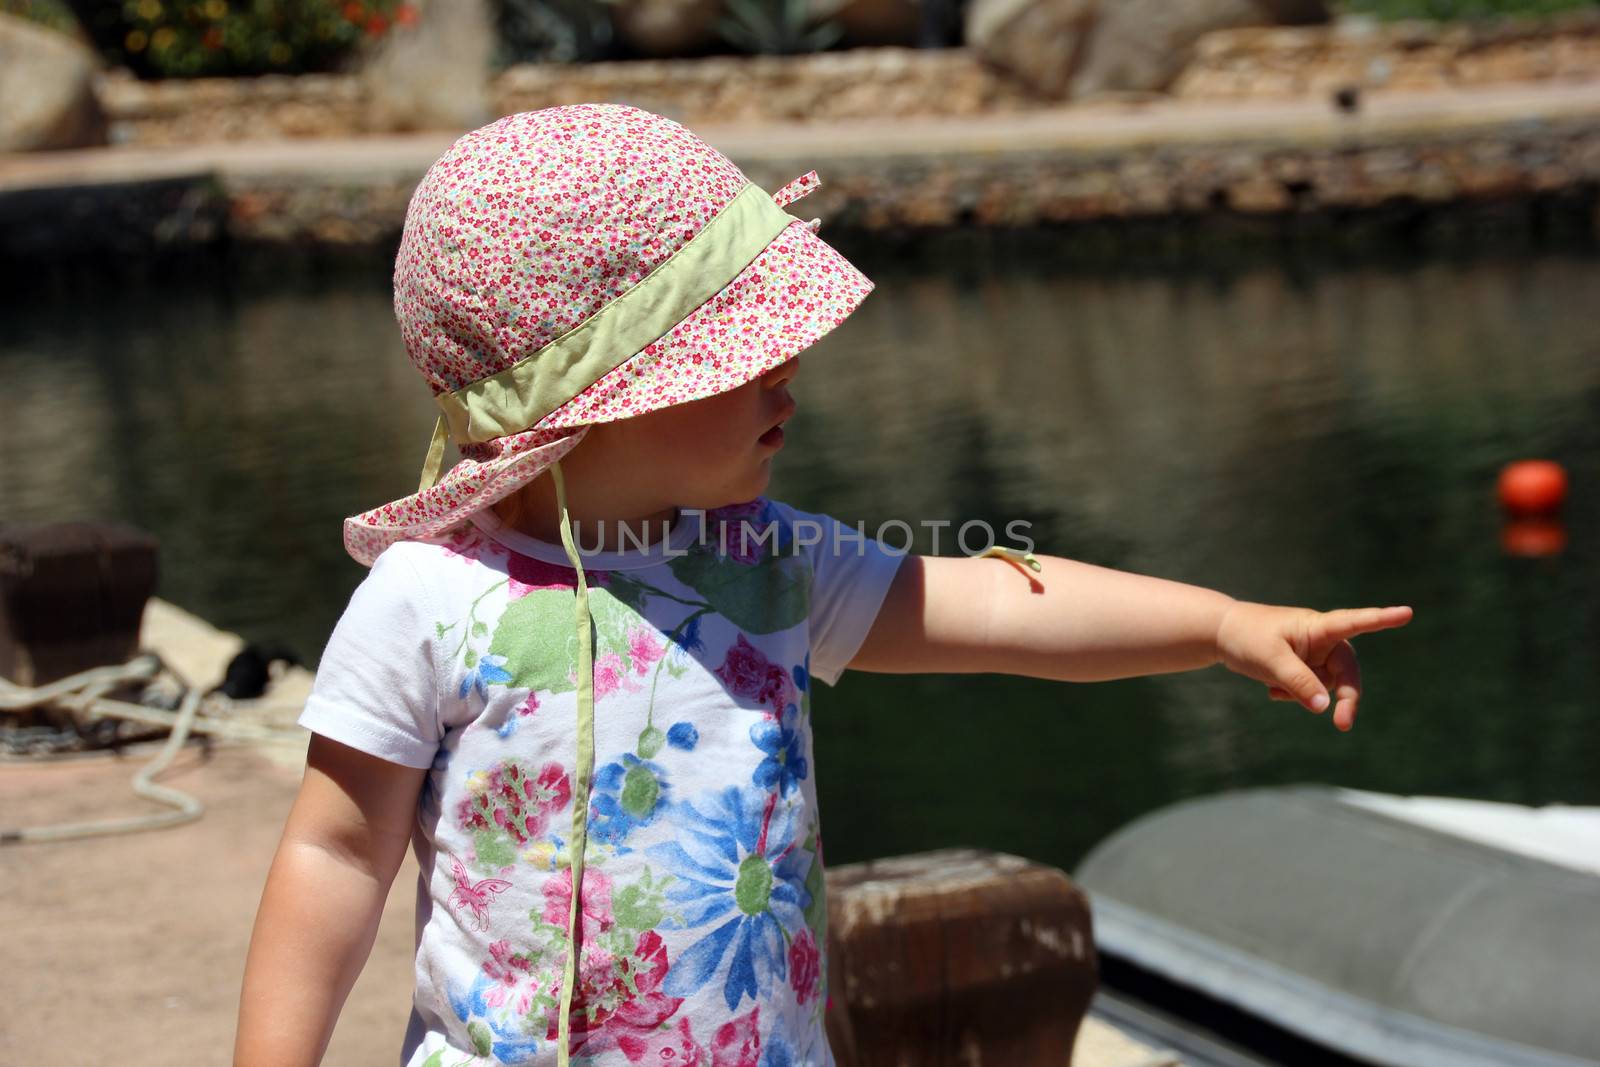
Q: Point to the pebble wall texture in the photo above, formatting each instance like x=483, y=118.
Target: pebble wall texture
x=1262, y=64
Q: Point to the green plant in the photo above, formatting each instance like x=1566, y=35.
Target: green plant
x=1457, y=10
x=192, y=38
x=552, y=31
x=775, y=27
x=52, y=13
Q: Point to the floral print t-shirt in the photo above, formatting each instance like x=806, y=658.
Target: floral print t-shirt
x=703, y=928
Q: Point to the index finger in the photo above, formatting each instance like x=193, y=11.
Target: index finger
x=1348, y=622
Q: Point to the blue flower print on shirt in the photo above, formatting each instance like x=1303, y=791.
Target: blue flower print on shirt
x=683, y=735
x=627, y=795
x=802, y=674
x=785, y=765
x=778, y=1052
x=493, y=1031
x=736, y=854
x=490, y=670
x=688, y=640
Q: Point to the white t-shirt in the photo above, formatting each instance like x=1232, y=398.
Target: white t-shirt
x=704, y=911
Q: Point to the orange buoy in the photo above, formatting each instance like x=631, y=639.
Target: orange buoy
x=1533, y=486
x=1533, y=537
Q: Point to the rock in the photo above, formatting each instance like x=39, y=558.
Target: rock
x=1077, y=48
x=1144, y=44
x=434, y=74
x=666, y=27
x=1040, y=41
x=47, y=83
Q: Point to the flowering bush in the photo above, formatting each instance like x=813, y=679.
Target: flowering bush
x=52, y=13
x=193, y=38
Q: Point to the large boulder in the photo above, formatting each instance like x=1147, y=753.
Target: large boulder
x=434, y=74
x=1077, y=48
x=47, y=83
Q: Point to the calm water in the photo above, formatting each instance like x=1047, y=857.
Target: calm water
x=1327, y=436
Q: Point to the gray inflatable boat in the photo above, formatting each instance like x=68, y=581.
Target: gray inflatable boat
x=1417, y=932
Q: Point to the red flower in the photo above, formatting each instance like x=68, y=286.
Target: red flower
x=528, y=574
x=775, y=688
x=638, y=1016
x=738, y=1043
x=746, y=671
x=805, y=966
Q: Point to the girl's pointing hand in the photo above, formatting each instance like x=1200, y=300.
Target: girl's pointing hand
x=1301, y=654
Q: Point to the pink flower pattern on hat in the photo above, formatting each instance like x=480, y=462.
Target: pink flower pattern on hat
x=528, y=226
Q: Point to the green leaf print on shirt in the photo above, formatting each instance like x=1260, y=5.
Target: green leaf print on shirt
x=763, y=597
x=816, y=912
x=536, y=637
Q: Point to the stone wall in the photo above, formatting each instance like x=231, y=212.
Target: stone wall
x=1278, y=63
x=861, y=82
x=880, y=82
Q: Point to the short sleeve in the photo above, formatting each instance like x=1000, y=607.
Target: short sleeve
x=376, y=687
x=851, y=574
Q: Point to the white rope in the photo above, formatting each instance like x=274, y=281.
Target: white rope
x=83, y=693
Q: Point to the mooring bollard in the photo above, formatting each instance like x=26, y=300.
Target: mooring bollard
x=72, y=595
x=957, y=957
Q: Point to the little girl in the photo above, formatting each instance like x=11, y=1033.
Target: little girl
x=577, y=680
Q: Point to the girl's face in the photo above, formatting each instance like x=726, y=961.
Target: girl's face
x=702, y=454
x=711, y=452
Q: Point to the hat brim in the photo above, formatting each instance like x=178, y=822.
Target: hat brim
x=787, y=298
x=792, y=294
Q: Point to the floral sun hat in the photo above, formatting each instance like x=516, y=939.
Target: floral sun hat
x=581, y=264
x=576, y=265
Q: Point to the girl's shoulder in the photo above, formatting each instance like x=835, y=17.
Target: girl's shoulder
x=429, y=573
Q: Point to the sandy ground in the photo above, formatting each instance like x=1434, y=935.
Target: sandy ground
x=130, y=949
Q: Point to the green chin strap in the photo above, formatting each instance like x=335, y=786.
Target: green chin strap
x=582, y=772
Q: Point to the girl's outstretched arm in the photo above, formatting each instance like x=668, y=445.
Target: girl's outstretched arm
x=1078, y=622
x=345, y=837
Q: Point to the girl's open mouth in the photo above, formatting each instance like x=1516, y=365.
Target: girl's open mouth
x=773, y=437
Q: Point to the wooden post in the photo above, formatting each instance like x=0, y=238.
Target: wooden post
x=958, y=958
x=71, y=597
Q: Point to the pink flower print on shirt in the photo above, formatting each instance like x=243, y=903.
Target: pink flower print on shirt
x=608, y=675
x=738, y=1042
x=643, y=649
x=671, y=1048
x=465, y=543
x=805, y=964
x=529, y=706
x=750, y=674
x=736, y=533
x=509, y=799
x=596, y=902
x=507, y=969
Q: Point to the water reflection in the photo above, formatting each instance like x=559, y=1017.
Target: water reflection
x=1325, y=436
